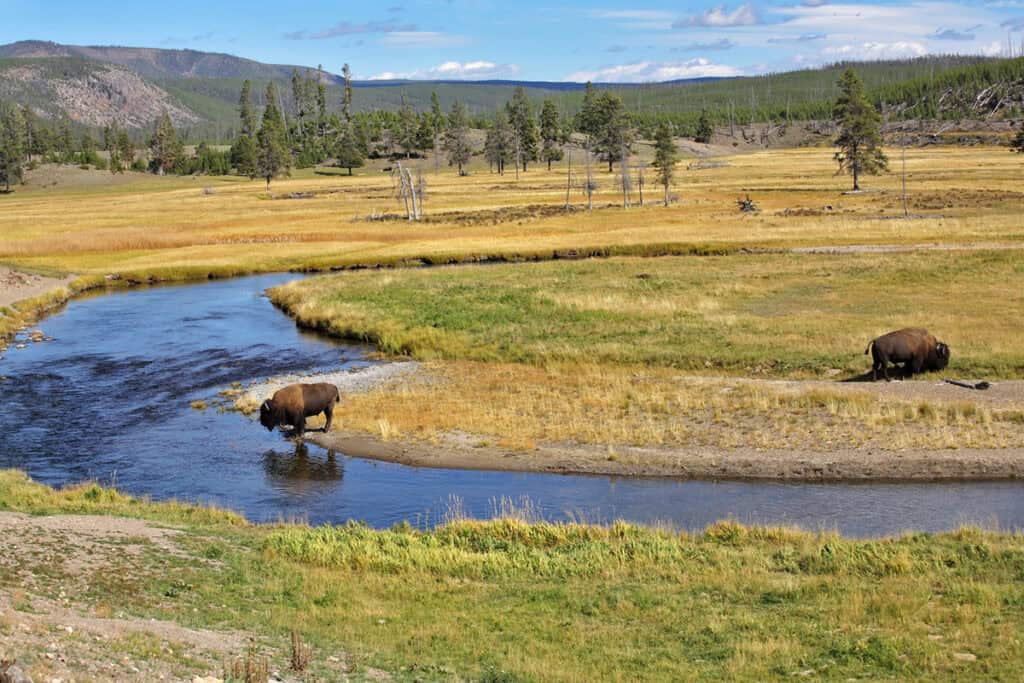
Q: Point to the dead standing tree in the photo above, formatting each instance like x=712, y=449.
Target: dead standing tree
x=406, y=190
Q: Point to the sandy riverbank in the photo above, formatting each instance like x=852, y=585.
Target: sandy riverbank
x=17, y=286
x=470, y=451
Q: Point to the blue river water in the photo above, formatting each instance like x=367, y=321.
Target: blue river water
x=109, y=399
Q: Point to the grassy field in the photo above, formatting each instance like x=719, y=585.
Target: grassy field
x=658, y=351
x=510, y=600
x=177, y=228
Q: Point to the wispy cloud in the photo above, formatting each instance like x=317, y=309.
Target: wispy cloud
x=723, y=44
x=345, y=28
x=634, y=15
x=1014, y=24
x=422, y=39
x=653, y=72
x=951, y=34
x=454, y=71
x=721, y=17
x=802, y=38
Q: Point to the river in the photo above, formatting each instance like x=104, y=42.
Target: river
x=109, y=399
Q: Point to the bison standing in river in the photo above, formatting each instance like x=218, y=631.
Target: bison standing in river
x=294, y=403
x=914, y=347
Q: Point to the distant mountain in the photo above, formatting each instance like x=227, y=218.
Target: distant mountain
x=97, y=85
x=159, y=63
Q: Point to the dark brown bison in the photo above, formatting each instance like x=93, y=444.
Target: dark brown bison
x=913, y=346
x=293, y=404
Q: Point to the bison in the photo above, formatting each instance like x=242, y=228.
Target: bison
x=294, y=403
x=914, y=347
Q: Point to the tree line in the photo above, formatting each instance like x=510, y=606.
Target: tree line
x=272, y=142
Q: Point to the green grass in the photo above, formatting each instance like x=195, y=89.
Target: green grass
x=512, y=600
x=768, y=314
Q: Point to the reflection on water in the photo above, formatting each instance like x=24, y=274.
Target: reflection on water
x=109, y=400
x=298, y=473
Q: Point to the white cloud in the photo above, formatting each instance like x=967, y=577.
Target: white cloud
x=454, y=71
x=634, y=15
x=872, y=51
x=422, y=39
x=719, y=17
x=653, y=72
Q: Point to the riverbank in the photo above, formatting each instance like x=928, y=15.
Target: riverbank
x=177, y=590
x=473, y=452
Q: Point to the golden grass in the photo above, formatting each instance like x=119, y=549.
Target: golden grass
x=519, y=406
x=163, y=228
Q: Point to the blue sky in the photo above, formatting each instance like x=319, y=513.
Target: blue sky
x=535, y=40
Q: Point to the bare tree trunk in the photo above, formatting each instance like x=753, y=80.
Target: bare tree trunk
x=403, y=191
x=906, y=211
x=412, y=191
x=517, y=156
x=568, y=180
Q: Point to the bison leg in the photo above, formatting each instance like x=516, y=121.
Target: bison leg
x=329, y=413
x=299, y=423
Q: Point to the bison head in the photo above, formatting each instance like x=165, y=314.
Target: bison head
x=268, y=415
x=941, y=359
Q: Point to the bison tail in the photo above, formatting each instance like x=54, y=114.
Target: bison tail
x=868, y=350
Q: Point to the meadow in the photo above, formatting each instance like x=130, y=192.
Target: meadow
x=515, y=600
x=606, y=351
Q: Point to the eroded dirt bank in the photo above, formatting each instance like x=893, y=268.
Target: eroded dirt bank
x=462, y=451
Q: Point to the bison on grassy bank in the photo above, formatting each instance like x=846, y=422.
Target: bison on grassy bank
x=294, y=403
x=914, y=347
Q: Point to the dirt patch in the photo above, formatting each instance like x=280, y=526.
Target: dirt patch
x=47, y=565
x=347, y=381
x=17, y=286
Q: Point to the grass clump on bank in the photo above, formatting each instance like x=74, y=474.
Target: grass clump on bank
x=560, y=602
x=519, y=406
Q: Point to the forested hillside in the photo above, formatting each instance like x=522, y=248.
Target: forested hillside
x=96, y=86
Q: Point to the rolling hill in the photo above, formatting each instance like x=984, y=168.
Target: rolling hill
x=97, y=85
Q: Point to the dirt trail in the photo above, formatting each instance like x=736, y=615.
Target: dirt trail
x=16, y=286
x=48, y=566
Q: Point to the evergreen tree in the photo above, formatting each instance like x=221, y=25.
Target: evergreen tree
x=437, y=120
x=524, y=126
x=665, y=158
x=550, y=133
x=65, y=141
x=405, y=133
x=456, y=137
x=704, y=128
x=1018, y=142
x=272, y=156
x=860, y=134
x=613, y=133
x=12, y=145
x=347, y=150
x=245, y=110
x=125, y=149
x=165, y=149
x=87, y=151
x=346, y=95
x=498, y=145
x=587, y=118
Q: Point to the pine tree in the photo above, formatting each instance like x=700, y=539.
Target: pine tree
x=665, y=158
x=499, y=145
x=65, y=142
x=272, y=156
x=165, y=149
x=1018, y=142
x=860, y=134
x=243, y=156
x=405, y=135
x=524, y=126
x=612, y=126
x=245, y=111
x=350, y=148
x=704, y=128
x=550, y=133
x=456, y=137
x=12, y=146
x=125, y=149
